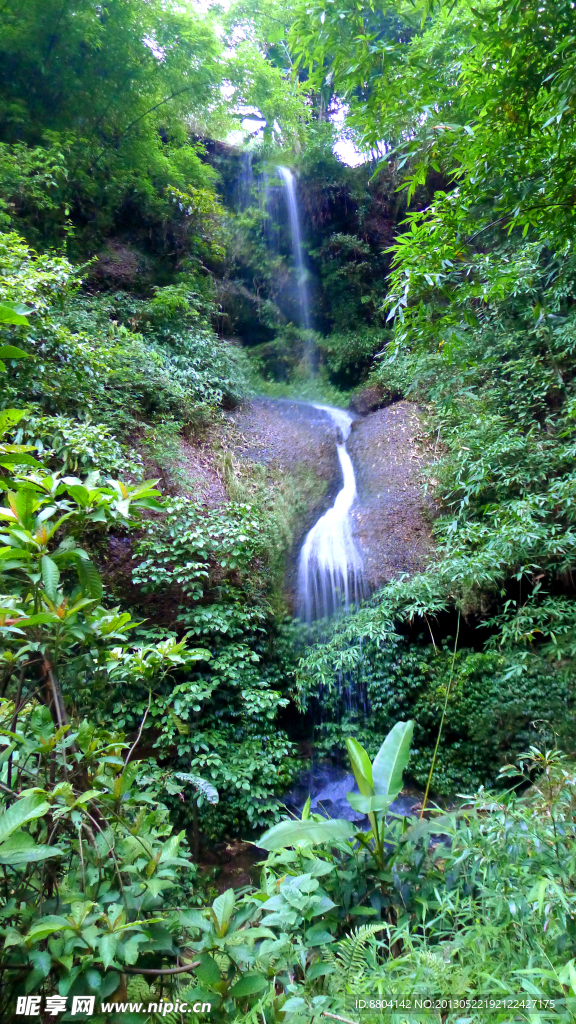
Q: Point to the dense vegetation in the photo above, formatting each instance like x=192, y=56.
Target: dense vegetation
x=148, y=653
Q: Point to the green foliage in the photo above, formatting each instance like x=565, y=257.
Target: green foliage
x=472, y=105
x=347, y=272
x=89, y=362
x=500, y=891
x=191, y=540
x=33, y=179
x=379, y=784
x=221, y=720
x=470, y=910
x=91, y=862
x=308, y=831
x=109, y=138
x=88, y=851
x=496, y=706
x=349, y=355
x=347, y=219
x=76, y=446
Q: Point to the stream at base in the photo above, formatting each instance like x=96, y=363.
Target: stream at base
x=327, y=785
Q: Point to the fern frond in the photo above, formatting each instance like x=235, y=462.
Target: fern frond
x=349, y=953
x=439, y=968
x=267, y=963
x=223, y=961
x=138, y=990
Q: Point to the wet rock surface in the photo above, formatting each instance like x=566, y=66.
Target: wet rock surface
x=287, y=432
x=292, y=437
x=392, y=516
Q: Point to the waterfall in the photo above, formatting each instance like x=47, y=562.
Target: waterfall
x=288, y=178
x=330, y=575
x=269, y=206
x=245, y=181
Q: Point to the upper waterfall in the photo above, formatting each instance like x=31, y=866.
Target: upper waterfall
x=303, y=299
x=331, y=571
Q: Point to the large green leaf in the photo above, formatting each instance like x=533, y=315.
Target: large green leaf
x=194, y=919
x=50, y=577
x=12, y=313
x=368, y=804
x=223, y=908
x=249, y=985
x=11, y=352
x=318, y=935
x=290, y=833
x=445, y=825
x=80, y=494
x=107, y=946
x=391, y=760
x=25, y=502
x=8, y=417
x=46, y=926
x=19, y=813
x=207, y=971
x=18, y=459
x=20, y=848
x=361, y=766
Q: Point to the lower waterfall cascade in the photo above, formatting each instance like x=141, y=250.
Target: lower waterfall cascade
x=331, y=567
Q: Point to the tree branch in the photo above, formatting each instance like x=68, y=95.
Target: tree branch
x=137, y=740
x=166, y=970
x=151, y=110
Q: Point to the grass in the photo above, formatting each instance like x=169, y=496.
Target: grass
x=313, y=388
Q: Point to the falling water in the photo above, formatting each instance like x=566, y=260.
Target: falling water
x=330, y=575
x=288, y=178
x=269, y=206
x=245, y=180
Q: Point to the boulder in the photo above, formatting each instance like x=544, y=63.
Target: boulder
x=369, y=399
x=120, y=265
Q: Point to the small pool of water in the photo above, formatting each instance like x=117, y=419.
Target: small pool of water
x=328, y=784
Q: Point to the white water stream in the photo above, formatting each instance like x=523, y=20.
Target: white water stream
x=288, y=179
x=331, y=571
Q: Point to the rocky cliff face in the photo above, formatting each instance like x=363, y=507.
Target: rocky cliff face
x=293, y=439
x=392, y=516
